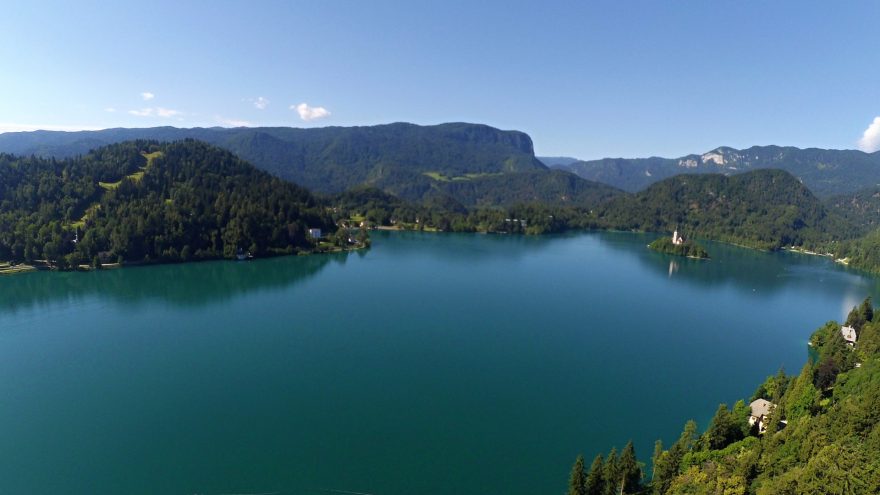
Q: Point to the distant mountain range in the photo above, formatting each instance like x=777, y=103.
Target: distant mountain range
x=825, y=172
x=452, y=176
x=471, y=164
x=557, y=161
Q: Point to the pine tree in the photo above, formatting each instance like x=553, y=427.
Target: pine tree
x=630, y=471
x=667, y=464
x=577, y=481
x=741, y=413
x=596, y=477
x=723, y=430
x=867, y=309
x=856, y=318
x=658, y=451
x=611, y=473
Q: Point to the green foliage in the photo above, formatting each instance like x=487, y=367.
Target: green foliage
x=767, y=209
x=611, y=473
x=741, y=413
x=630, y=470
x=828, y=443
x=667, y=464
x=456, y=177
x=862, y=252
x=687, y=248
x=192, y=202
x=867, y=309
x=724, y=429
x=382, y=209
x=596, y=478
x=415, y=163
x=577, y=481
x=860, y=208
x=774, y=387
x=803, y=398
x=869, y=340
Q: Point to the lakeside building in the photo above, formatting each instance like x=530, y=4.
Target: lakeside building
x=760, y=410
x=849, y=335
x=677, y=239
x=315, y=233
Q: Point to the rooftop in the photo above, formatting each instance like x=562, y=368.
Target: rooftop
x=761, y=407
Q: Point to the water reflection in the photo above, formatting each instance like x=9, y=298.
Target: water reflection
x=456, y=247
x=748, y=270
x=189, y=284
x=673, y=267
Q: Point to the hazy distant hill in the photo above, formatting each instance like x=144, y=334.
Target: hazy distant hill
x=825, y=172
x=557, y=161
x=763, y=208
x=473, y=164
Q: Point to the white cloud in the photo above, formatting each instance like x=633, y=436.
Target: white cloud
x=870, y=141
x=165, y=112
x=157, y=112
x=110, y=109
x=147, y=96
x=232, y=122
x=144, y=112
x=308, y=113
x=261, y=103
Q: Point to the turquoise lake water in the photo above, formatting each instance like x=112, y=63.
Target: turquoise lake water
x=430, y=364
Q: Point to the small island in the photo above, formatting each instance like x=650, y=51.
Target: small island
x=678, y=246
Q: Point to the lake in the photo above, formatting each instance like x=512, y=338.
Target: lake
x=429, y=364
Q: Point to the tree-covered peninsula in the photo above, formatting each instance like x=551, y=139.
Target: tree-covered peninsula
x=815, y=432
x=142, y=201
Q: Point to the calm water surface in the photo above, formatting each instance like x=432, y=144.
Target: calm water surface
x=431, y=364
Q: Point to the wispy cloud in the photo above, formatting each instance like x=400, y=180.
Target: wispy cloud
x=232, y=122
x=15, y=127
x=870, y=141
x=308, y=113
x=147, y=96
x=155, y=112
x=110, y=110
x=261, y=103
x=166, y=112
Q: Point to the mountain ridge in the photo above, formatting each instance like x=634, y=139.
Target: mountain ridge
x=408, y=160
x=826, y=172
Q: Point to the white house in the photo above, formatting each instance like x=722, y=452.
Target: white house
x=315, y=233
x=760, y=409
x=849, y=335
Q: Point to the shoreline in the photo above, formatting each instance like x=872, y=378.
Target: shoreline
x=794, y=249
x=7, y=269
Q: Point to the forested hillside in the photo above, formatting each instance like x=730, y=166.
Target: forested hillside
x=145, y=201
x=861, y=208
x=825, y=172
x=822, y=432
x=472, y=164
x=763, y=208
x=468, y=177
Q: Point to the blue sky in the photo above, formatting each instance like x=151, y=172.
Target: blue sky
x=585, y=79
